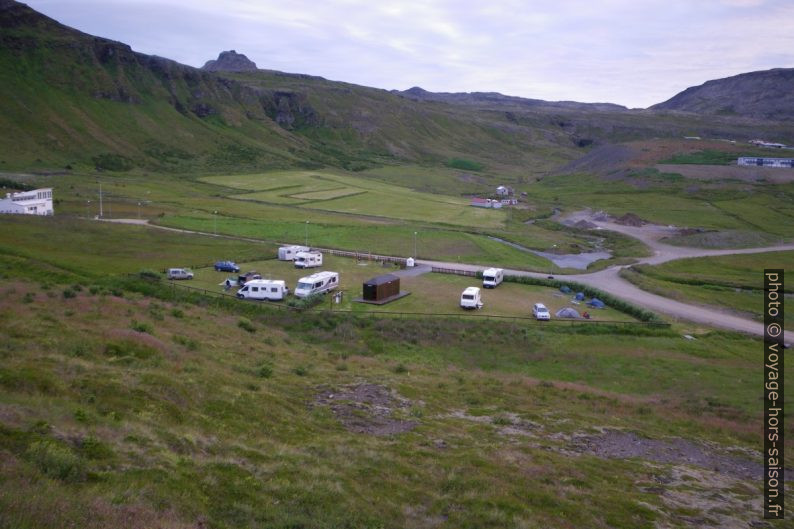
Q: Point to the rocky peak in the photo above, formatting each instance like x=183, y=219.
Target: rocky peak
x=230, y=61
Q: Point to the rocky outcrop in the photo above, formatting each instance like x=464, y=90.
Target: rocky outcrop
x=230, y=61
x=290, y=110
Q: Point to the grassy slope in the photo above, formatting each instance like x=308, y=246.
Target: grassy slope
x=129, y=411
x=733, y=282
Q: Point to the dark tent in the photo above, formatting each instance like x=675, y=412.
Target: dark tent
x=381, y=287
x=579, y=296
x=565, y=289
x=596, y=303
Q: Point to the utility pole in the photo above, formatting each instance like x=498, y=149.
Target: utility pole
x=101, y=212
x=307, y=233
x=414, y=245
x=215, y=219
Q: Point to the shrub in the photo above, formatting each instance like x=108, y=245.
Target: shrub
x=301, y=371
x=142, y=326
x=246, y=325
x=56, y=461
x=466, y=165
x=129, y=348
x=400, y=369
x=69, y=293
x=305, y=303
x=189, y=343
x=264, y=371
x=177, y=313
x=28, y=298
x=149, y=275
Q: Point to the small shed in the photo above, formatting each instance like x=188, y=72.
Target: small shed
x=381, y=287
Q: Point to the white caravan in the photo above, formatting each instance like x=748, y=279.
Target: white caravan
x=470, y=299
x=308, y=259
x=492, y=277
x=269, y=289
x=318, y=283
x=288, y=253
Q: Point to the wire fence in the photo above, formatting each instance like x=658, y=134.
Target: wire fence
x=267, y=305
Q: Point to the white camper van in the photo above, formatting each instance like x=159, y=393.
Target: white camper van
x=288, y=253
x=308, y=259
x=470, y=299
x=492, y=277
x=269, y=289
x=318, y=283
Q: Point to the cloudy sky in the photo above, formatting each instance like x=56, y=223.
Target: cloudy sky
x=632, y=52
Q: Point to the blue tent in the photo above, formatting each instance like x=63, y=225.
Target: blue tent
x=579, y=296
x=596, y=303
x=565, y=289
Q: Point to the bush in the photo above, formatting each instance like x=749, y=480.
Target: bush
x=246, y=325
x=466, y=165
x=149, y=275
x=189, y=343
x=304, y=303
x=56, y=461
x=264, y=371
x=69, y=293
x=142, y=326
x=301, y=371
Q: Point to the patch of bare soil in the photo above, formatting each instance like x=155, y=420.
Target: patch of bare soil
x=368, y=408
x=615, y=444
x=631, y=219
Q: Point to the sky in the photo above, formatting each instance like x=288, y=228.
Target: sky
x=630, y=52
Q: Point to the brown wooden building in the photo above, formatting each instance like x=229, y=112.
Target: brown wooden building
x=381, y=287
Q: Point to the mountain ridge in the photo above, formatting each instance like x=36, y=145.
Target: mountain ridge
x=763, y=94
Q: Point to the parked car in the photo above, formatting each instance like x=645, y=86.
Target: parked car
x=226, y=266
x=180, y=273
x=540, y=312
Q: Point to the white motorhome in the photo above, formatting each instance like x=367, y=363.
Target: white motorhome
x=492, y=277
x=470, y=299
x=269, y=289
x=308, y=259
x=318, y=283
x=288, y=253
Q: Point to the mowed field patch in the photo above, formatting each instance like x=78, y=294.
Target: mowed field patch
x=351, y=194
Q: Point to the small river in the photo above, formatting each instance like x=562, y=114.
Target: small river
x=579, y=261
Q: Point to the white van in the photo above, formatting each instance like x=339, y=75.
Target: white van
x=470, y=299
x=318, y=283
x=540, y=312
x=180, y=273
x=288, y=253
x=308, y=259
x=269, y=289
x=492, y=277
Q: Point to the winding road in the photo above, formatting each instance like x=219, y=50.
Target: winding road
x=609, y=279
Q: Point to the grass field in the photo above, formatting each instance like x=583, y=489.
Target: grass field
x=348, y=194
x=732, y=282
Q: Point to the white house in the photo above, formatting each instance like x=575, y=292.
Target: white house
x=766, y=162
x=504, y=191
x=36, y=202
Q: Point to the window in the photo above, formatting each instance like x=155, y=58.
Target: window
x=274, y=289
x=254, y=289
